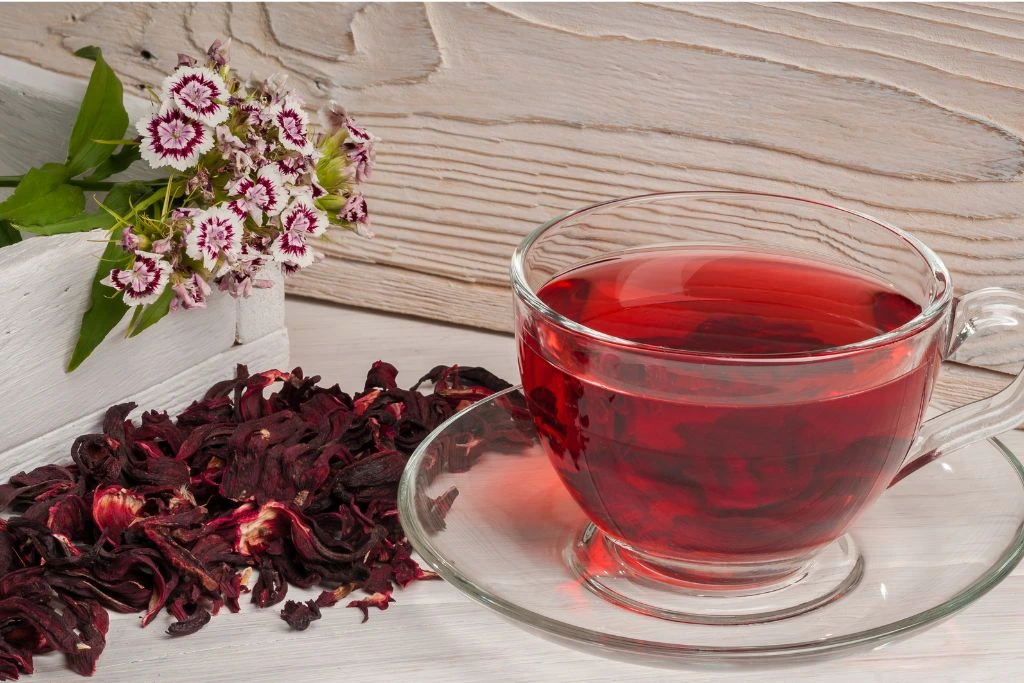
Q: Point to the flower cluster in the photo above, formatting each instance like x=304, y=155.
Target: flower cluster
x=252, y=184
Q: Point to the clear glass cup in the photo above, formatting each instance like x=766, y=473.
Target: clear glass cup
x=709, y=474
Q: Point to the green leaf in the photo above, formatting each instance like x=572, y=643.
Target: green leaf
x=102, y=116
x=152, y=313
x=119, y=161
x=8, y=235
x=118, y=201
x=115, y=143
x=43, y=196
x=89, y=52
x=83, y=222
x=106, y=307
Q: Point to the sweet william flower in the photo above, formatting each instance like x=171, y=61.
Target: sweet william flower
x=355, y=210
x=253, y=113
x=300, y=221
x=198, y=92
x=301, y=216
x=183, y=213
x=170, y=138
x=290, y=248
x=291, y=167
x=129, y=240
x=218, y=53
x=264, y=194
x=191, y=293
x=359, y=146
x=333, y=116
x=292, y=122
x=361, y=161
x=200, y=183
x=257, y=182
x=144, y=282
x=237, y=207
x=357, y=135
x=227, y=142
x=215, y=233
x=162, y=246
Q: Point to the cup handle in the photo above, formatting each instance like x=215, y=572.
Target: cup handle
x=992, y=307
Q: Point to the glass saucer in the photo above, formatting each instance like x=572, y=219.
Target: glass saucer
x=484, y=508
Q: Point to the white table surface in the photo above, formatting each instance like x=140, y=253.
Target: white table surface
x=434, y=633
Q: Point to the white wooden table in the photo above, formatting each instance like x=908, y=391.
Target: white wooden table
x=434, y=633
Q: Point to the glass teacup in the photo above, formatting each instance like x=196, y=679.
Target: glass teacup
x=724, y=381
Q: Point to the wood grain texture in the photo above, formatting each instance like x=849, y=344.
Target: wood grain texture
x=434, y=633
x=494, y=118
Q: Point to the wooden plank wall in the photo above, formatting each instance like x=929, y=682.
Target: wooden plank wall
x=494, y=118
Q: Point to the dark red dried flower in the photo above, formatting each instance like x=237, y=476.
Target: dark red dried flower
x=378, y=600
x=300, y=615
x=176, y=514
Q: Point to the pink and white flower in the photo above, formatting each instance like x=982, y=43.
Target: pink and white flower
x=129, y=240
x=198, y=92
x=355, y=210
x=253, y=112
x=290, y=248
x=333, y=117
x=237, y=207
x=162, y=246
x=244, y=275
x=292, y=126
x=301, y=220
x=301, y=216
x=144, y=282
x=185, y=213
x=218, y=53
x=291, y=167
x=170, y=138
x=357, y=135
x=264, y=194
x=200, y=183
x=215, y=234
x=191, y=293
x=361, y=159
x=227, y=142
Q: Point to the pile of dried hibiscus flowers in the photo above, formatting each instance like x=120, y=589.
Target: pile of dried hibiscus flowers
x=298, y=488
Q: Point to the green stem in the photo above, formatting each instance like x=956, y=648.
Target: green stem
x=96, y=185
x=148, y=202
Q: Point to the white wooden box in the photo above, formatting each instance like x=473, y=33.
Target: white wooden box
x=44, y=289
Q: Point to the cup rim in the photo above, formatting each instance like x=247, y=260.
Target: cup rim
x=928, y=315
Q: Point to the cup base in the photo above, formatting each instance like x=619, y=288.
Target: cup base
x=706, y=593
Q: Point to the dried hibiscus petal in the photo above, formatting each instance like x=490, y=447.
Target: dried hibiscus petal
x=378, y=600
x=300, y=615
x=114, y=508
x=91, y=622
x=270, y=587
x=190, y=625
x=176, y=514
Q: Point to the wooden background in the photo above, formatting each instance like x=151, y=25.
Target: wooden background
x=494, y=118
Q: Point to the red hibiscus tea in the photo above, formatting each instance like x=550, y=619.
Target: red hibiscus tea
x=725, y=444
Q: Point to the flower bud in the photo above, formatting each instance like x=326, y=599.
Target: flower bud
x=332, y=172
x=162, y=246
x=130, y=241
x=331, y=203
x=330, y=145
